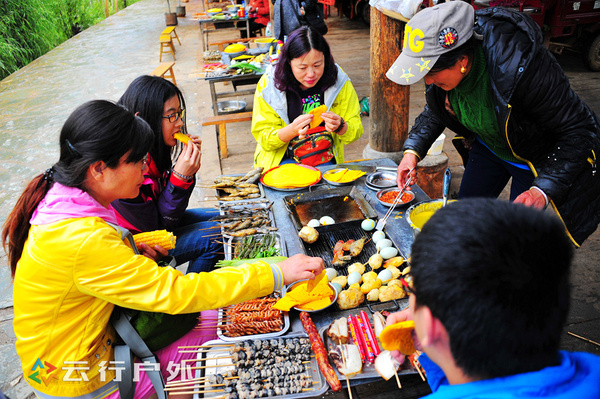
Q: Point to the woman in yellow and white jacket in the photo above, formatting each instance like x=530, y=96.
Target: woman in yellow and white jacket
x=305, y=77
x=71, y=267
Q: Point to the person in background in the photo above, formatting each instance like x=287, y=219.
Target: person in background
x=258, y=14
x=164, y=197
x=490, y=79
x=305, y=78
x=489, y=304
x=71, y=266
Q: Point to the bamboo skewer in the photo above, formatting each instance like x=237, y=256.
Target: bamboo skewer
x=416, y=365
x=204, y=346
x=345, y=375
x=583, y=338
x=397, y=379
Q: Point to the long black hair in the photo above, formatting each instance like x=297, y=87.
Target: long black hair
x=299, y=43
x=147, y=96
x=98, y=130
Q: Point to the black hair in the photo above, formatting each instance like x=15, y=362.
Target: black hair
x=147, y=96
x=450, y=58
x=98, y=130
x=299, y=43
x=496, y=274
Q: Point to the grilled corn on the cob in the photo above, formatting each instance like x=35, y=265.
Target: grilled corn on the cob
x=163, y=238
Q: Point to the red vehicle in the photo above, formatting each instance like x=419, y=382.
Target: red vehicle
x=567, y=24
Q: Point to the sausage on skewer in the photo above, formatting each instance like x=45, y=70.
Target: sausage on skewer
x=318, y=348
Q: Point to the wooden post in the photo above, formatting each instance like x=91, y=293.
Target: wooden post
x=389, y=102
x=116, y=6
x=106, y=8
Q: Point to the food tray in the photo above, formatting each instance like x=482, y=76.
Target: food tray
x=222, y=194
x=222, y=366
x=251, y=208
x=342, y=204
x=284, y=329
x=368, y=370
x=323, y=248
x=232, y=241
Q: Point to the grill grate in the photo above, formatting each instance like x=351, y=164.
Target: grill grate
x=329, y=235
x=323, y=248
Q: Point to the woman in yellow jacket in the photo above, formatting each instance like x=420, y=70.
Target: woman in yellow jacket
x=71, y=267
x=305, y=78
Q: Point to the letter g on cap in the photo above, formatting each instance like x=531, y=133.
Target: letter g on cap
x=411, y=37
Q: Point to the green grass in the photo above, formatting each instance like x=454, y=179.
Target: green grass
x=31, y=28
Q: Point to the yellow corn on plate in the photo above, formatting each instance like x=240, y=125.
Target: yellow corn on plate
x=163, y=238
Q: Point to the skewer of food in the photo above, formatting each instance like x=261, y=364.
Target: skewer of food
x=260, y=368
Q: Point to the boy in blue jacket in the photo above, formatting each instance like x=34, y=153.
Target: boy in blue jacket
x=490, y=296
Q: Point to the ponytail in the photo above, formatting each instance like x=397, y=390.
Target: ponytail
x=16, y=227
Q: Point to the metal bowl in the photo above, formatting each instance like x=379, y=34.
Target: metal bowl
x=418, y=214
x=264, y=44
x=381, y=179
x=231, y=56
x=231, y=107
x=333, y=300
x=388, y=204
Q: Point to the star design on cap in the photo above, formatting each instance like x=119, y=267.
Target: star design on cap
x=424, y=64
x=406, y=74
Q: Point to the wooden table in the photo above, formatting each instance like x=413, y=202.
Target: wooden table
x=219, y=22
x=235, y=80
x=398, y=230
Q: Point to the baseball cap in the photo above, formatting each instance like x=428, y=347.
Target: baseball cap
x=432, y=32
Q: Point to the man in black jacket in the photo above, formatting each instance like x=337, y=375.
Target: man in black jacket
x=490, y=80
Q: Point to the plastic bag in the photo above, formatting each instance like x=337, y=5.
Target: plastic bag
x=407, y=8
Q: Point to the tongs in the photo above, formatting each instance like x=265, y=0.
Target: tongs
x=381, y=222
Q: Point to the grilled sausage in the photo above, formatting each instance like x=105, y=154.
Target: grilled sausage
x=318, y=348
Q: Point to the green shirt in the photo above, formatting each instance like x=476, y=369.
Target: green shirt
x=472, y=102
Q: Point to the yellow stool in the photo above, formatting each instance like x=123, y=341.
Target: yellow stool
x=171, y=32
x=166, y=46
x=165, y=70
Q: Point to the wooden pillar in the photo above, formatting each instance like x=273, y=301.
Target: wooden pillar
x=389, y=102
x=106, y=13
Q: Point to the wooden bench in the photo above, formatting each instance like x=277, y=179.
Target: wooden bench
x=166, y=46
x=171, y=32
x=221, y=122
x=165, y=70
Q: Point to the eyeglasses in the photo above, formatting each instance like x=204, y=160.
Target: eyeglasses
x=144, y=161
x=175, y=116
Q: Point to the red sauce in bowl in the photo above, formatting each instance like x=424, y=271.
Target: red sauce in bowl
x=390, y=196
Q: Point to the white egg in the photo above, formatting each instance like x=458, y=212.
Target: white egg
x=313, y=223
x=388, y=252
x=383, y=243
x=385, y=275
x=368, y=224
x=377, y=236
x=336, y=287
x=326, y=220
x=354, y=278
x=331, y=273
